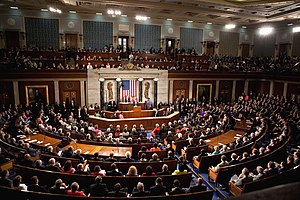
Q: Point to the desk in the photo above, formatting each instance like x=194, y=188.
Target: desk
x=148, y=122
x=243, y=125
x=41, y=141
x=225, y=138
x=124, y=106
x=102, y=150
x=135, y=113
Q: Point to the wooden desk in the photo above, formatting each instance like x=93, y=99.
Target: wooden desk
x=148, y=122
x=41, y=141
x=225, y=138
x=128, y=106
x=243, y=126
x=137, y=112
x=102, y=150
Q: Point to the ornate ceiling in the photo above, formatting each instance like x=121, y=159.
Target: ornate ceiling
x=220, y=12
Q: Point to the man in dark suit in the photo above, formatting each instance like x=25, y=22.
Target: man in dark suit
x=139, y=190
x=158, y=188
x=111, y=158
x=118, y=191
x=112, y=106
x=113, y=171
x=98, y=189
x=177, y=189
x=198, y=187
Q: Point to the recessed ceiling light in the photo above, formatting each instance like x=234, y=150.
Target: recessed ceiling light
x=14, y=7
x=44, y=10
x=244, y=26
x=190, y=21
x=209, y=23
x=72, y=11
x=296, y=29
x=98, y=13
x=169, y=19
x=230, y=26
x=265, y=30
x=124, y=15
x=290, y=24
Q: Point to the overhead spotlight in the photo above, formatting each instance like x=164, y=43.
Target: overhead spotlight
x=244, y=27
x=142, y=18
x=14, y=7
x=55, y=10
x=296, y=29
x=72, y=11
x=230, y=26
x=110, y=12
x=114, y=12
x=290, y=24
x=190, y=21
x=209, y=23
x=169, y=19
x=98, y=13
x=265, y=30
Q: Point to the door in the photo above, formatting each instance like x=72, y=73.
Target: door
x=245, y=50
x=170, y=46
x=283, y=50
x=12, y=39
x=71, y=40
x=70, y=95
x=123, y=46
x=210, y=48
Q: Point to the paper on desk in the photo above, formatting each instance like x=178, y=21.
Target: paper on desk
x=207, y=140
x=39, y=142
x=87, y=152
x=21, y=136
x=47, y=144
x=238, y=135
x=220, y=143
x=31, y=141
x=26, y=139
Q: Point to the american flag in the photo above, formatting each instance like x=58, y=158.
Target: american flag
x=128, y=88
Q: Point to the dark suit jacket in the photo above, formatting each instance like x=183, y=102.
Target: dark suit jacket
x=158, y=190
x=117, y=194
x=177, y=191
x=114, y=173
x=98, y=190
x=140, y=194
x=197, y=188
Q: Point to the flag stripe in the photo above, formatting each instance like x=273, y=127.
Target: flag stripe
x=129, y=88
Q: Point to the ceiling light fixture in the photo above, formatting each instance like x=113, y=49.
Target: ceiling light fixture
x=98, y=13
x=169, y=19
x=55, y=10
x=290, y=24
x=190, y=21
x=296, y=29
x=142, y=18
x=14, y=7
x=44, y=10
x=230, y=26
x=114, y=12
x=72, y=11
x=265, y=30
x=209, y=23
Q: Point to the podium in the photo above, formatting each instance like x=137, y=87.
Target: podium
x=137, y=109
x=128, y=106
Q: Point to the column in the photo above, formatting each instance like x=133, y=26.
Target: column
x=102, y=106
x=56, y=92
x=155, y=92
x=233, y=90
x=246, y=87
x=217, y=89
x=285, y=89
x=191, y=89
x=171, y=91
x=16, y=92
x=82, y=93
x=271, y=88
x=118, y=90
x=140, y=89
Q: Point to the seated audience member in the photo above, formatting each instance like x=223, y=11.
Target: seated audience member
x=176, y=188
x=68, y=152
x=98, y=171
x=27, y=161
x=164, y=170
x=170, y=156
x=117, y=192
x=223, y=163
x=114, y=171
x=155, y=147
x=132, y=171
x=260, y=173
x=38, y=164
x=34, y=185
x=97, y=157
x=68, y=168
x=74, y=190
x=53, y=165
x=143, y=158
x=199, y=187
x=271, y=169
x=127, y=157
x=139, y=190
x=245, y=157
x=154, y=158
x=202, y=153
x=5, y=180
x=82, y=170
x=243, y=178
x=149, y=171
x=18, y=183
x=158, y=188
x=181, y=170
x=59, y=187
x=77, y=155
x=183, y=163
x=111, y=158
x=216, y=150
x=98, y=189
x=234, y=159
x=169, y=148
x=296, y=158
